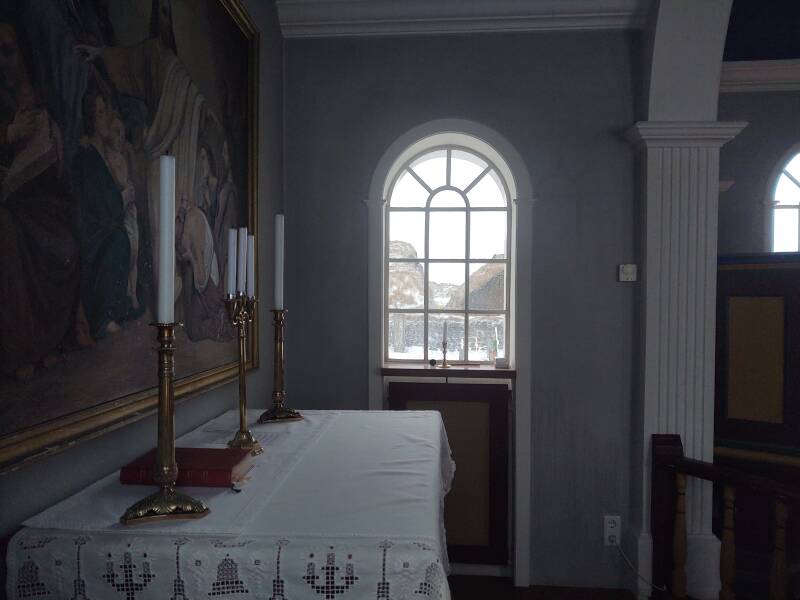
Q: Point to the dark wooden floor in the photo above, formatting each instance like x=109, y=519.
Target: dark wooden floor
x=496, y=588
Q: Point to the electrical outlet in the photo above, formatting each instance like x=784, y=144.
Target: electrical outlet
x=612, y=530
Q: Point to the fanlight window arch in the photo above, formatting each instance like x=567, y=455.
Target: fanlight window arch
x=786, y=208
x=447, y=258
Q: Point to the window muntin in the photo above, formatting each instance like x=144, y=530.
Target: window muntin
x=448, y=224
x=786, y=208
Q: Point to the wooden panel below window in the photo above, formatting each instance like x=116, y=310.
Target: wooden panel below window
x=466, y=514
x=756, y=359
x=476, y=420
x=757, y=387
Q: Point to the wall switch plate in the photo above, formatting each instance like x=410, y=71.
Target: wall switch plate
x=612, y=530
x=628, y=272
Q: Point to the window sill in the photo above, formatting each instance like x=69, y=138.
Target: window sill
x=466, y=371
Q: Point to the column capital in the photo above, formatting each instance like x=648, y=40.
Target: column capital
x=683, y=134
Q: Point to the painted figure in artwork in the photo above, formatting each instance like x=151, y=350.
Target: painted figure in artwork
x=119, y=156
x=104, y=243
x=38, y=250
x=179, y=119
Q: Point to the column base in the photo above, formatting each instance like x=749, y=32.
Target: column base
x=702, y=567
x=643, y=548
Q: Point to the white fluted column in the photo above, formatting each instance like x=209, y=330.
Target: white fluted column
x=679, y=188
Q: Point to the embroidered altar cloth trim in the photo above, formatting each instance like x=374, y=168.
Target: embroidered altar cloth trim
x=345, y=504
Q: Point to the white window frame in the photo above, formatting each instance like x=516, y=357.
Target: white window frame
x=771, y=203
x=467, y=311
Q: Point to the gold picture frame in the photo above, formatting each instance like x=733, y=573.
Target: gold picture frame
x=51, y=435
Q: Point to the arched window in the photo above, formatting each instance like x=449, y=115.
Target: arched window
x=447, y=258
x=786, y=207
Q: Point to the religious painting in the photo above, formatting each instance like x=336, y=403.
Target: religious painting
x=92, y=93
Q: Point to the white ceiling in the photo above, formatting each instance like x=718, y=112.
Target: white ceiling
x=337, y=18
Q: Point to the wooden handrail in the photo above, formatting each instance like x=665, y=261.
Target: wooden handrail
x=670, y=470
x=724, y=475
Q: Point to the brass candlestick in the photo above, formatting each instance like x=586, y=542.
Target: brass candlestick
x=444, y=364
x=241, y=309
x=279, y=411
x=167, y=502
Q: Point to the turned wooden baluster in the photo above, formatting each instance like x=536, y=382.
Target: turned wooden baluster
x=679, y=539
x=727, y=554
x=777, y=579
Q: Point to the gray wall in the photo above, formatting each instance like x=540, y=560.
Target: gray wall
x=33, y=488
x=563, y=101
x=749, y=160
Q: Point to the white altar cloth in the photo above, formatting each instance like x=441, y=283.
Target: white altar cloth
x=343, y=505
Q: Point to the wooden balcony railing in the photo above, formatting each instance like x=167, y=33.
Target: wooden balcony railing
x=671, y=469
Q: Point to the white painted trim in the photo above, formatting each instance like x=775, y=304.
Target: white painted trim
x=684, y=134
x=345, y=18
x=496, y=147
x=760, y=76
x=523, y=387
x=375, y=225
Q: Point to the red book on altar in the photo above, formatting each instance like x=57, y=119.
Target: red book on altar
x=205, y=467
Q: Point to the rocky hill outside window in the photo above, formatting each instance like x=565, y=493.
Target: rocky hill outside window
x=447, y=255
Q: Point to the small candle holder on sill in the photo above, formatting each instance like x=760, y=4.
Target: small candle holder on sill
x=241, y=309
x=279, y=412
x=444, y=364
x=167, y=503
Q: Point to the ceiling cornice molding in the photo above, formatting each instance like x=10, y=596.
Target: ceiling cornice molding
x=684, y=134
x=353, y=18
x=760, y=76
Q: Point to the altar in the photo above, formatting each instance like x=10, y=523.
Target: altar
x=344, y=504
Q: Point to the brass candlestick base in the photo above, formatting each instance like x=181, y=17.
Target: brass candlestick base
x=245, y=439
x=279, y=413
x=444, y=364
x=166, y=503
x=240, y=311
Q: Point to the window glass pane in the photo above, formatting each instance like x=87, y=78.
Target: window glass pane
x=408, y=191
x=787, y=192
x=464, y=168
x=406, y=331
x=448, y=231
x=784, y=230
x=488, y=192
x=406, y=285
x=487, y=286
x=455, y=336
x=794, y=167
x=406, y=234
x=432, y=168
x=487, y=234
x=446, y=285
x=487, y=337
x=447, y=199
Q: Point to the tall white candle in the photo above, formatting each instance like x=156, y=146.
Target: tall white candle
x=251, y=266
x=444, y=332
x=241, y=280
x=279, y=262
x=166, y=241
x=230, y=287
